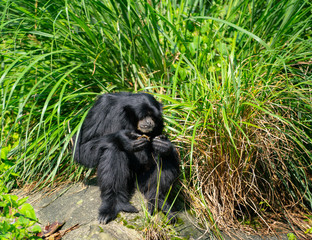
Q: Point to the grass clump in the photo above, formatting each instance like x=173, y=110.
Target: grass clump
x=156, y=229
x=235, y=79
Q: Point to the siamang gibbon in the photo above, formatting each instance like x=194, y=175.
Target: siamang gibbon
x=122, y=136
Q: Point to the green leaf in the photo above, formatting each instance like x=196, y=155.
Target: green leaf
x=22, y=201
x=291, y=236
x=250, y=34
x=44, y=34
x=28, y=211
x=36, y=229
x=22, y=221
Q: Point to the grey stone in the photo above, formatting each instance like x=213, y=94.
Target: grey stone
x=79, y=203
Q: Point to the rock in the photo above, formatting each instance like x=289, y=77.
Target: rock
x=79, y=203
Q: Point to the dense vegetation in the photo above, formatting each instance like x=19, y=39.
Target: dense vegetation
x=234, y=76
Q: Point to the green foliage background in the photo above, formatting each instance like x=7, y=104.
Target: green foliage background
x=234, y=76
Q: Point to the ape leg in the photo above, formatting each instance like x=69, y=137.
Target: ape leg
x=89, y=153
x=116, y=185
x=155, y=185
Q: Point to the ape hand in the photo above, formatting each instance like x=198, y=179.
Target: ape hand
x=162, y=145
x=133, y=142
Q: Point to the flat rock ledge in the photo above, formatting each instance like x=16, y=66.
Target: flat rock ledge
x=78, y=204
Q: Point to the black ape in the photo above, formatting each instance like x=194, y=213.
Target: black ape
x=122, y=136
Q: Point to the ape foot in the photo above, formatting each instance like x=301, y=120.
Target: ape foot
x=129, y=208
x=105, y=218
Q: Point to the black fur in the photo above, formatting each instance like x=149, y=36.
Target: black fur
x=121, y=135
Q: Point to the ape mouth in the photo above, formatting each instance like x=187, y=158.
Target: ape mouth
x=145, y=129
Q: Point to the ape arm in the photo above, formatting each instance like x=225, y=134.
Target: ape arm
x=89, y=153
x=131, y=141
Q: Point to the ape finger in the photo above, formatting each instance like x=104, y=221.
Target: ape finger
x=162, y=137
x=133, y=135
x=161, y=146
x=140, y=144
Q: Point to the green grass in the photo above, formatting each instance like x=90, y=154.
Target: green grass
x=235, y=79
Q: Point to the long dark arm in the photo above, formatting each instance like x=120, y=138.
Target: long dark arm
x=90, y=152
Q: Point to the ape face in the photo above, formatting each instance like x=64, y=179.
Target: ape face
x=146, y=118
x=146, y=125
